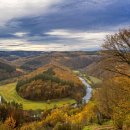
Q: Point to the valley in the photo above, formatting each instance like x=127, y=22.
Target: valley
x=64, y=64
x=46, y=89
x=9, y=93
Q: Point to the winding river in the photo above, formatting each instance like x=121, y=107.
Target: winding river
x=89, y=90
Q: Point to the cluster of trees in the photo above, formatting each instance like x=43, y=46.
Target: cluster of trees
x=113, y=97
x=65, y=118
x=113, y=100
x=47, y=85
x=12, y=115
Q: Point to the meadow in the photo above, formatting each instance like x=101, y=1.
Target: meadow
x=94, y=80
x=8, y=92
x=90, y=79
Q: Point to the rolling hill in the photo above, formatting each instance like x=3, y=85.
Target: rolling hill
x=7, y=71
x=73, y=60
x=95, y=69
x=52, y=81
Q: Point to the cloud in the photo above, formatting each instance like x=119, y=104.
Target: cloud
x=79, y=35
x=12, y=9
x=26, y=46
x=60, y=24
x=18, y=44
x=63, y=40
x=20, y=34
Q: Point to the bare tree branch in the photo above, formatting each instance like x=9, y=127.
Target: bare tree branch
x=116, y=52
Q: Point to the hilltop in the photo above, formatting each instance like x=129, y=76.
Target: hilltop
x=52, y=81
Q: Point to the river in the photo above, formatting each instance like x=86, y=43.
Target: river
x=89, y=90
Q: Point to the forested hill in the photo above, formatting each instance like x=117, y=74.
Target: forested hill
x=61, y=71
x=7, y=71
x=51, y=82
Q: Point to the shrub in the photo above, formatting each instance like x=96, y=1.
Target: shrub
x=10, y=122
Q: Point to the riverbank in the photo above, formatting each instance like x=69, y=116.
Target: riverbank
x=89, y=90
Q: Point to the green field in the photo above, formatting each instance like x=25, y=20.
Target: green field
x=89, y=79
x=95, y=80
x=8, y=92
x=91, y=127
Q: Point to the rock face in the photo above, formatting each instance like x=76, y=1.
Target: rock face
x=52, y=81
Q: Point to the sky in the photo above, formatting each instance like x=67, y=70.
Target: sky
x=60, y=25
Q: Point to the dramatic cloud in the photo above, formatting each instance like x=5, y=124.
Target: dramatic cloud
x=60, y=24
x=11, y=9
x=63, y=40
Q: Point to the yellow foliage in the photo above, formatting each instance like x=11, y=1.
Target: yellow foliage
x=85, y=116
x=10, y=122
x=32, y=126
x=114, y=99
x=55, y=117
x=126, y=125
x=60, y=71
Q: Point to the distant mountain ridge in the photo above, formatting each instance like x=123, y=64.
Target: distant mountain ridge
x=73, y=60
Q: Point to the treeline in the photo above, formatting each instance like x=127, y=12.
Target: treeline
x=47, y=86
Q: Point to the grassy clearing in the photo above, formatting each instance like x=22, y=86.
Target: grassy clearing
x=95, y=80
x=8, y=92
x=91, y=127
x=105, y=126
x=90, y=79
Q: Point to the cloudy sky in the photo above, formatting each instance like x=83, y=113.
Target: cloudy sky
x=60, y=25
